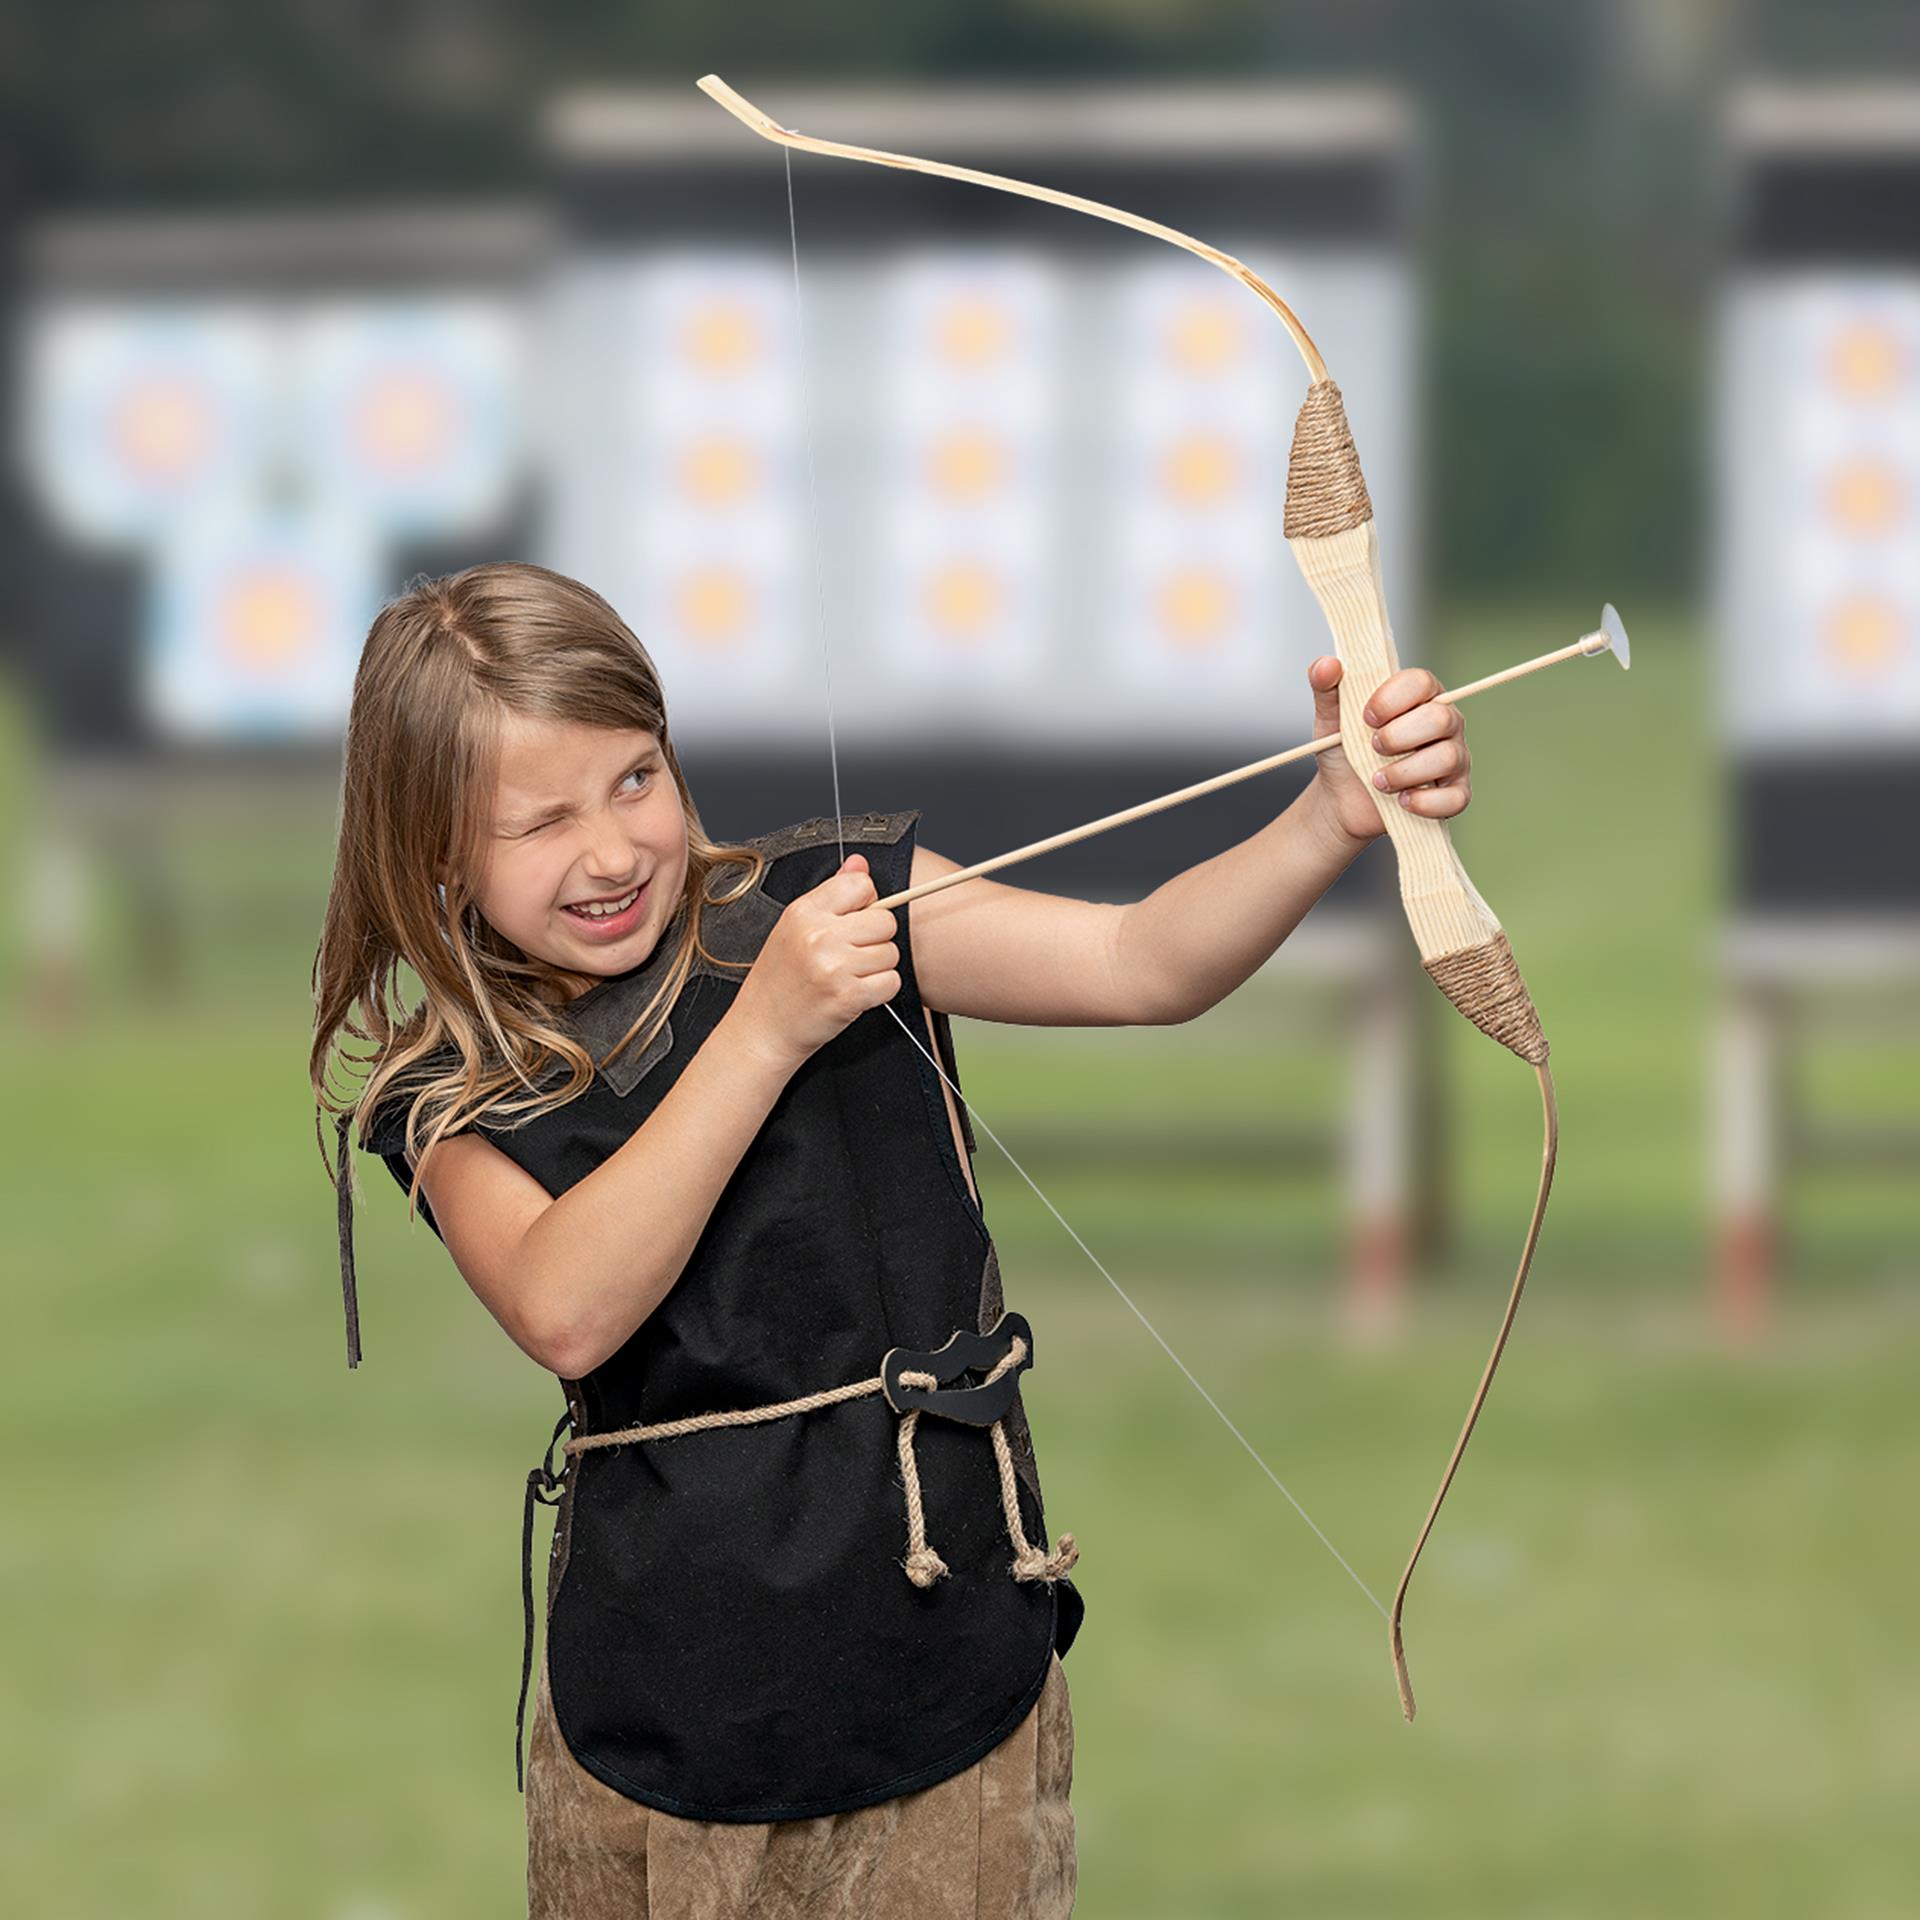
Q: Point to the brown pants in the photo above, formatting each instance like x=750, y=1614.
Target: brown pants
x=993, y=1843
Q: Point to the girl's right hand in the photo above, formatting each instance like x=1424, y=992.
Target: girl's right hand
x=831, y=956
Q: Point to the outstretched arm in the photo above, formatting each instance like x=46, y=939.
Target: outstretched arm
x=996, y=952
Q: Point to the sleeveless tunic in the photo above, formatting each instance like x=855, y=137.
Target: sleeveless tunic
x=731, y=1632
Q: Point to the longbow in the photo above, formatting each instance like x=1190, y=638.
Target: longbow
x=1329, y=525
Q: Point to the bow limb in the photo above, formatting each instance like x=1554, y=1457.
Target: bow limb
x=1329, y=525
x=769, y=128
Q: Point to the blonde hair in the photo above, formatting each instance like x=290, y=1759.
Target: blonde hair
x=441, y=664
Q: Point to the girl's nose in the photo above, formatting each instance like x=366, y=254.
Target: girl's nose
x=609, y=854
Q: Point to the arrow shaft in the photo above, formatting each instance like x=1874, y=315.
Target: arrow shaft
x=1202, y=787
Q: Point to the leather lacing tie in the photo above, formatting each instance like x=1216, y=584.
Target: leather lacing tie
x=911, y=1390
x=544, y=1487
x=343, y=1189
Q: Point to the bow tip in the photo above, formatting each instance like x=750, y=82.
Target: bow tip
x=741, y=108
x=1401, y=1677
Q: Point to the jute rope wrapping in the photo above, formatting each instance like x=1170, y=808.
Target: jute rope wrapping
x=1326, y=491
x=923, y=1565
x=1485, y=984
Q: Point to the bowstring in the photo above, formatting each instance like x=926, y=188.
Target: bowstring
x=833, y=753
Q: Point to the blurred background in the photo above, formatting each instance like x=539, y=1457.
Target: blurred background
x=1625, y=300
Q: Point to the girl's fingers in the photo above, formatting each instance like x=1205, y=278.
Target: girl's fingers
x=867, y=924
x=1438, y=803
x=1425, y=723
x=1447, y=760
x=846, y=891
x=1399, y=691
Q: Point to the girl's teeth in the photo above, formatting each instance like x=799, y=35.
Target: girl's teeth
x=607, y=912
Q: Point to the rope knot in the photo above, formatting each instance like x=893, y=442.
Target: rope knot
x=924, y=1566
x=1031, y=1563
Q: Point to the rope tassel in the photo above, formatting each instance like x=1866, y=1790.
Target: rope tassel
x=924, y=1566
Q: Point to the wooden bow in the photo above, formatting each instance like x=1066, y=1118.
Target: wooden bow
x=1329, y=525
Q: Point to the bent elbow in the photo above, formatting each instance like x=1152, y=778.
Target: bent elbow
x=567, y=1353
x=1170, y=1008
x=574, y=1351
x=556, y=1342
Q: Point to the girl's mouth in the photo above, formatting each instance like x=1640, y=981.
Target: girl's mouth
x=605, y=925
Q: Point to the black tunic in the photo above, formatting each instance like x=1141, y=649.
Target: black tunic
x=731, y=1633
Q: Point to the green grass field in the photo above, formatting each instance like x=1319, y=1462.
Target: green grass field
x=269, y=1610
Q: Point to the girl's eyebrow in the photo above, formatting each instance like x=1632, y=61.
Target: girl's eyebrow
x=553, y=809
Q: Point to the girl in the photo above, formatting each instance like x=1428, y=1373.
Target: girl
x=653, y=1100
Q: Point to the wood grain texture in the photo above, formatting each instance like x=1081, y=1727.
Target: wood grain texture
x=1443, y=906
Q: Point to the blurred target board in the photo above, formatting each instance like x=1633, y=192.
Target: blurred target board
x=1817, y=467
x=246, y=428
x=1817, y=478
x=1024, y=470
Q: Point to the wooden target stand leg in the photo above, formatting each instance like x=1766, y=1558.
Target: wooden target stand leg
x=1382, y=1098
x=1746, y=1098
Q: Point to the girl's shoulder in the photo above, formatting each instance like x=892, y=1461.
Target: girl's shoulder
x=383, y=1129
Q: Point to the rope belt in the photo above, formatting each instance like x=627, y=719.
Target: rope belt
x=911, y=1390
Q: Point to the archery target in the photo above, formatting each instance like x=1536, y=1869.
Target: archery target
x=965, y=452
x=410, y=410
x=256, y=621
x=1818, y=561
x=1193, y=484
x=712, y=475
x=137, y=415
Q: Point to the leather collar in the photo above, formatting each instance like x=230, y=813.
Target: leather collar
x=730, y=930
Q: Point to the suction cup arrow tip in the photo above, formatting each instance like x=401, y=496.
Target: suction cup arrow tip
x=1615, y=630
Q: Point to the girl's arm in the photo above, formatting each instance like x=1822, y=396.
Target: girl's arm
x=571, y=1278
x=1008, y=953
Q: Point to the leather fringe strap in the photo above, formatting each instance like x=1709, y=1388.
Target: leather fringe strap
x=544, y=1488
x=1326, y=491
x=1484, y=983
x=343, y=1188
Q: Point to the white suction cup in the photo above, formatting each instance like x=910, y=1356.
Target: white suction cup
x=1611, y=626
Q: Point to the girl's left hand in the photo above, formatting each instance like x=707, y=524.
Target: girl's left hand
x=1428, y=763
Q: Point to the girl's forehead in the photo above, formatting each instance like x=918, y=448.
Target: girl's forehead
x=537, y=754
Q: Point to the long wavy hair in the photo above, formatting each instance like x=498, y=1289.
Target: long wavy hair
x=441, y=665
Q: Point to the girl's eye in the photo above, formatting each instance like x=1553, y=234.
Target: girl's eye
x=642, y=773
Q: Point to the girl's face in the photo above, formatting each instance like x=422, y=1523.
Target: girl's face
x=582, y=814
